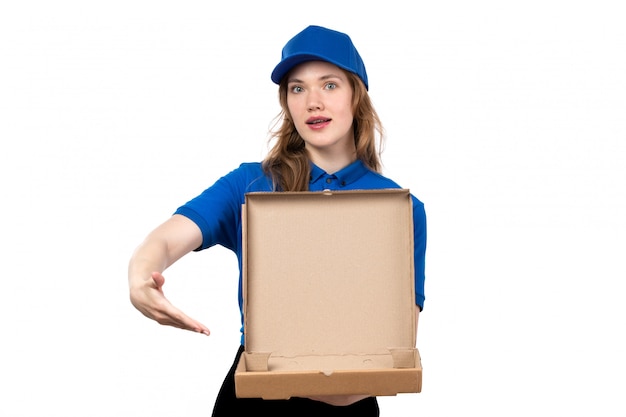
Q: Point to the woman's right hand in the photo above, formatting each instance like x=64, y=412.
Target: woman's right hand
x=149, y=299
x=166, y=244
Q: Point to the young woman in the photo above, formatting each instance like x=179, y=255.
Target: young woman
x=327, y=140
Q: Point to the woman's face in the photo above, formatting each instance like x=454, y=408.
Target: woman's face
x=319, y=98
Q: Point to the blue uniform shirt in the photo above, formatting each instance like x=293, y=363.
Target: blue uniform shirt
x=217, y=211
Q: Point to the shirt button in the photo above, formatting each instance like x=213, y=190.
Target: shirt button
x=329, y=180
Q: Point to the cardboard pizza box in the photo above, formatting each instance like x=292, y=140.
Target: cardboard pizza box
x=329, y=300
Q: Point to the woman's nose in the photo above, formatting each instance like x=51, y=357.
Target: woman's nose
x=314, y=102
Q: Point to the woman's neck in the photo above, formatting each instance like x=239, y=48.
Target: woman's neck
x=332, y=165
x=332, y=160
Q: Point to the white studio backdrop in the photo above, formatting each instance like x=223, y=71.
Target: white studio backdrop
x=505, y=118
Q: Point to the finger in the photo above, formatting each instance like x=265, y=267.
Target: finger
x=193, y=325
x=171, y=316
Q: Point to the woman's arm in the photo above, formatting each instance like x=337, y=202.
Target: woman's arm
x=166, y=244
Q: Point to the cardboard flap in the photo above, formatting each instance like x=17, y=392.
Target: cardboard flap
x=328, y=273
x=403, y=358
x=257, y=362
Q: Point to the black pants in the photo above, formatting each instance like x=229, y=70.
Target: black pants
x=228, y=405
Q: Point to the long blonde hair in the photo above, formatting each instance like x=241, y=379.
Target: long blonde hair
x=287, y=162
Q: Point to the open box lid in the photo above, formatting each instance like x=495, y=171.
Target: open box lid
x=328, y=277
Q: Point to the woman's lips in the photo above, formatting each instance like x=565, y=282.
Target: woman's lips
x=317, y=122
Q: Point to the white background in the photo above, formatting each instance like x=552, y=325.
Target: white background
x=506, y=118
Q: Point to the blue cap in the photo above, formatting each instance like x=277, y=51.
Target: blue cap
x=318, y=43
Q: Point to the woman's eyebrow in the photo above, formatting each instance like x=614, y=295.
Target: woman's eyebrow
x=322, y=78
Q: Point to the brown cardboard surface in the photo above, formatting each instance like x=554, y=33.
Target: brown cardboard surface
x=329, y=303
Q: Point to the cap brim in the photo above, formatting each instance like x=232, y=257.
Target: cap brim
x=287, y=64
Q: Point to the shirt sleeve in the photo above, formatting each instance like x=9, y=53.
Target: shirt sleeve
x=419, y=247
x=217, y=210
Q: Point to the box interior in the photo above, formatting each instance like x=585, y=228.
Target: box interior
x=329, y=281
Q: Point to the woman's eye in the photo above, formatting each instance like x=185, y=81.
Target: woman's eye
x=331, y=86
x=296, y=89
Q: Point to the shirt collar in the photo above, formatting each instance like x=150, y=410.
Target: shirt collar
x=345, y=176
